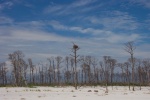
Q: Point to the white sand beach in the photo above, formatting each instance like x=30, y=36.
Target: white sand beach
x=69, y=93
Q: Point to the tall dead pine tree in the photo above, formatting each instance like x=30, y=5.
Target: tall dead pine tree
x=75, y=48
x=130, y=47
x=106, y=71
x=18, y=64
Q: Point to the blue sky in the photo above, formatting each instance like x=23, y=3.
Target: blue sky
x=44, y=28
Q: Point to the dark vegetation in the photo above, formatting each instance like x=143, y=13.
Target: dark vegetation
x=76, y=71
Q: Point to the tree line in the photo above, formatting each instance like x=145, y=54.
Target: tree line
x=76, y=70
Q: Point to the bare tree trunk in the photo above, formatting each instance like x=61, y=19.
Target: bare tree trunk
x=127, y=73
x=74, y=50
x=72, y=69
x=94, y=64
x=133, y=77
x=67, y=69
x=129, y=47
x=18, y=63
x=59, y=61
x=3, y=73
x=106, y=59
x=32, y=67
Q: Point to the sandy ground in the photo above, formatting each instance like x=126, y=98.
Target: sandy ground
x=69, y=93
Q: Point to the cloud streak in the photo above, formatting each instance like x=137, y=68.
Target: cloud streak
x=116, y=20
x=5, y=5
x=145, y=3
x=30, y=35
x=73, y=8
x=5, y=20
x=59, y=26
x=98, y=34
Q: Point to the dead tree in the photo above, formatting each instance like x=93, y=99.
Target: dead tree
x=58, y=62
x=85, y=70
x=127, y=65
x=139, y=70
x=24, y=72
x=112, y=63
x=3, y=73
x=41, y=74
x=102, y=71
x=50, y=70
x=130, y=47
x=17, y=61
x=106, y=71
x=146, y=66
x=121, y=65
x=88, y=66
x=72, y=69
x=74, y=49
x=67, y=72
x=32, y=67
x=94, y=65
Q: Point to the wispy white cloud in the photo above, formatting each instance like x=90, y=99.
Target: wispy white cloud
x=5, y=5
x=20, y=45
x=115, y=20
x=8, y=4
x=142, y=53
x=57, y=25
x=73, y=8
x=116, y=38
x=80, y=3
x=30, y=35
x=27, y=31
x=147, y=22
x=89, y=31
x=5, y=20
x=32, y=23
x=98, y=34
x=145, y=3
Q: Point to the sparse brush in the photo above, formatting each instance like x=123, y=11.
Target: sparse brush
x=22, y=99
x=89, y=90
x=39, y=90
x=74, y=96
x=95, y=90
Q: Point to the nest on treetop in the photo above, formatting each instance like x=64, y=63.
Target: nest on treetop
x=75, y=46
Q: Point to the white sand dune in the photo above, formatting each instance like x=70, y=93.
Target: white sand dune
x=69, y=93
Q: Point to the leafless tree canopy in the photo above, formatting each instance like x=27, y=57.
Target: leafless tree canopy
x=76, y=70
x=130, y=47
